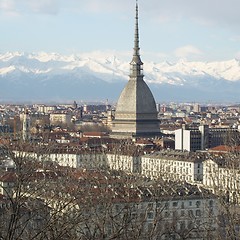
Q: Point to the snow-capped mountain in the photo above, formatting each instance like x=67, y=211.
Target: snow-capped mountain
x=51, y=76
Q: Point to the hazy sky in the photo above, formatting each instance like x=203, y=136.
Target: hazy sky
x=169, y=29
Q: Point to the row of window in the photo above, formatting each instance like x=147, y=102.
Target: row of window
x=169, y=162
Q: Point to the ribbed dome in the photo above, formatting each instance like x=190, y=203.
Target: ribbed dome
x=136, y=101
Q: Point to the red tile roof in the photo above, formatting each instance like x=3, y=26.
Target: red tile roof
x=8, y=177
x=224, y=148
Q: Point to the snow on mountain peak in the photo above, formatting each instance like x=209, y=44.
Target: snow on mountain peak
x=9, y=55
x=36, y=75
x=107, y=67
x=6, y=70
x=46, y=57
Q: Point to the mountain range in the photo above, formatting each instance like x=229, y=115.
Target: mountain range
x=54, y=77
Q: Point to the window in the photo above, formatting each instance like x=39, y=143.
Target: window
x=190, y=213
x=211, y=212
x=166, y=225
x=198, y=203
x=150, y=215
x=198, y=213
x=166, y=214
x=190, y=225
x=150, y=205
x=211, y=221
x=175, y=214
x=158, y=205
x=134, y=215
x=150, y=226
x=198, y=222
x=211, y=203
x=182, y=225
x=175, y=204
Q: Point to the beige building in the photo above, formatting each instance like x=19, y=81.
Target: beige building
x=222, y=175
x=64, y=118
x=46, y=109
x=173, y=165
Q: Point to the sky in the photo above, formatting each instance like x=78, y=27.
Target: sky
x=206, y=30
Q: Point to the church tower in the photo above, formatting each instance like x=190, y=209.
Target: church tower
x=26, y=126
x=136, y=114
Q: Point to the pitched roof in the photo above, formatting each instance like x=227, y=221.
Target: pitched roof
x=225, y=148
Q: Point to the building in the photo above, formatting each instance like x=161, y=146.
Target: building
x=173, y=165
x=91, y=108
x=185, y=212
x=46, y=109
x=136, y=114
x=202, y=137
x=165, y=164
x=26, y=126
x=169, y=211
x=7, y=183
x=186, y=139
x=221, y=174
x=64, y=118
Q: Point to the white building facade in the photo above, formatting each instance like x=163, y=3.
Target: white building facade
x=173, y=165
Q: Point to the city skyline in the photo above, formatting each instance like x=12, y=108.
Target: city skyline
x=196, y=31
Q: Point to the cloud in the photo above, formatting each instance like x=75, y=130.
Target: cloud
x=124, y=55
x=19, y=7
x=154, y=56
x=101, y=6
x=224, y=12
x=8, y=7
x=235, y=39
x=55, y=6
x=187, y=51
x=44, y=6
x=204, y=12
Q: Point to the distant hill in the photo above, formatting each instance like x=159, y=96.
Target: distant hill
x=55, y=77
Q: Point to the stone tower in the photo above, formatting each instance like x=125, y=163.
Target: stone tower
x=26, y=126
x=136, y=114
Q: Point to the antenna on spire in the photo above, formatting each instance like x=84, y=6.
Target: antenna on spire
x=136, y=39
x=136, y=63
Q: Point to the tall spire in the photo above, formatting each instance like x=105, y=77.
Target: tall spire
x=136, y=63
x=136, y=39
